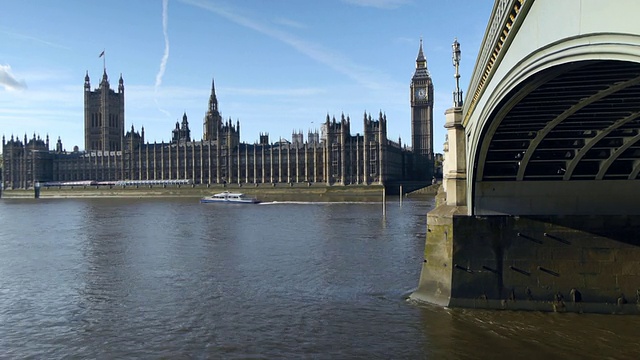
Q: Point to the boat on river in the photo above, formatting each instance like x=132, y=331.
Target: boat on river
x=229, y=197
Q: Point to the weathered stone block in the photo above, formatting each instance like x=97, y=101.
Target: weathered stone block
x=597, y=254
x=566, y=253
x=628, y=284
x=631, y=268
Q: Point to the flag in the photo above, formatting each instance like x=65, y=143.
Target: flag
x=101, y=54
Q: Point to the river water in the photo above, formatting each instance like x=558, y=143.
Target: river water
x=172, y=278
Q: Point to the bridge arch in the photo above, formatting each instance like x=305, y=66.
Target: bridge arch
x=560, y=131
x=548, y=141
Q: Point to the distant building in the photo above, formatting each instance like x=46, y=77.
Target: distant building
x=103, y=116
x=422, y=119
x=332, y=157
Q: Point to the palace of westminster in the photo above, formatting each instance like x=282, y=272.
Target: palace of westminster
x=331, y=157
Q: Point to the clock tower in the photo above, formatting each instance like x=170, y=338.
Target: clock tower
x=421, y=94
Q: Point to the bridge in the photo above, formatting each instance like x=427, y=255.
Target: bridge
x=542, y=162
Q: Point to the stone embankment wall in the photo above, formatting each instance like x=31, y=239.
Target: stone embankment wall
x=264, y=192
x=549, y=263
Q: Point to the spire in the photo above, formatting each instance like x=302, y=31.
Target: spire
x=421, y=72
x=87, y=83
x=213, y=100
x=421, y=60
x=105, y=79
x=185, y=122
x=120, y=84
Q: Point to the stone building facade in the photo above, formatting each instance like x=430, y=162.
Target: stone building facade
x=332, y=157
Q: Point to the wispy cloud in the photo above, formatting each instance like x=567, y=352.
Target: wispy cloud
x=290, y=23
x=32, y=38
x=8, y=80
x=326, y=56
x=297, y=92
x=165, y=56
x=380, y=4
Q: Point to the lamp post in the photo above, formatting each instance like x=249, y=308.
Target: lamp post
x=457, y=94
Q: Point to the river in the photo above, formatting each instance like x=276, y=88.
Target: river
x=172, y=278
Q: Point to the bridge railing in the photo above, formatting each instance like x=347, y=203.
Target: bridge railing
x=505, y=18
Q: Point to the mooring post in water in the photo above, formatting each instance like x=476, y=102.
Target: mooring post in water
x=400, y=195
x=384, y=202
x=36, y=190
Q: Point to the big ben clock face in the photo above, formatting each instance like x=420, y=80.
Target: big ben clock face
x=421, y=94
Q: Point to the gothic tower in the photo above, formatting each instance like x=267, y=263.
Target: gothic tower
x=103, y=115
x=212, y=119
x=422, y=118
x=181, y=133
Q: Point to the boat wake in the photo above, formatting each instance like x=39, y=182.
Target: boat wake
x=317, y=202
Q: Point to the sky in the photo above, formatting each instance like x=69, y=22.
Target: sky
x=279, y=65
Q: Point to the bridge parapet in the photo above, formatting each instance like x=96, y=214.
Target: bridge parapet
x=506, y=17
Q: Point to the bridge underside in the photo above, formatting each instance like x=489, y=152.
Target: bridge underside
x=560, y=139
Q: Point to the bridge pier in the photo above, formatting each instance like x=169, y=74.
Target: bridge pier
x=436, y=276
x=578, y=263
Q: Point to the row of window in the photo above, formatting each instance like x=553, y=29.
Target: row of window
x=96, y=120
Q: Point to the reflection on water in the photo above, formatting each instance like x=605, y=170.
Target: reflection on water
x=174, y=278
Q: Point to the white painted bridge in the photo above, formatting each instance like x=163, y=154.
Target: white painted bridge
x=551, y=121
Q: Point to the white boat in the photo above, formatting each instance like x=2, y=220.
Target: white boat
x=229, y=197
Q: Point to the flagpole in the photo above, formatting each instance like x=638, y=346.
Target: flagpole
x=104, y=60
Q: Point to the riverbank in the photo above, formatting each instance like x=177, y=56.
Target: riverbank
x=264, y=192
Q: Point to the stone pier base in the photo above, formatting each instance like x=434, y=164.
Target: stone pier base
x=549, y=263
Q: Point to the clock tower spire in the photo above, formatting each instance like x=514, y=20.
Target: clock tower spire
x=421, y=94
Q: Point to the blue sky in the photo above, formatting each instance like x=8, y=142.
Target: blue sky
x=278, y=65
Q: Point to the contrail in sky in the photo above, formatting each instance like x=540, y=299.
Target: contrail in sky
x=165, y=56
x=334, y=60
